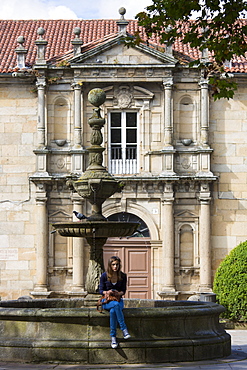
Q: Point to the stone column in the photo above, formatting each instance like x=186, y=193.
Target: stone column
x=204, y=241
x=168, y=111
x=77, y=115
x=41, y=289
x=168, y=251
x=204, y=111
x=41, y=132
x=78, y=253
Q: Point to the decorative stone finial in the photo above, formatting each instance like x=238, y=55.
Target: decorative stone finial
x=77, y=42
x=21, y=52
x=41, y=45
x=40, y=32
x=168, y=46
x=77, y=31
x=96, y=97
x=122, y=23
x=122, y=11
x=21, y=40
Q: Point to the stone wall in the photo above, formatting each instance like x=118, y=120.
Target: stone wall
x=228, y=137
x=18, y=105
x=146, y=197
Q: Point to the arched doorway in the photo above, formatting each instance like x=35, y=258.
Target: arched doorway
x=135, y=253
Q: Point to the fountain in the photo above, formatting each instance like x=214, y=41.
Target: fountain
x=69, y=330
x=96, y=185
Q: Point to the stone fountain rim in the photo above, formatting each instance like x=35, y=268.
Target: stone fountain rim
x=78, y=304
x=193, y=309
x=96, y=229
x=92, y=223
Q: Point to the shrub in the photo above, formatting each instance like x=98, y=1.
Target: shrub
x=230, y=284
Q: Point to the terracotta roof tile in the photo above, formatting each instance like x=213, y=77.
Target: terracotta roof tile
x=59, y=34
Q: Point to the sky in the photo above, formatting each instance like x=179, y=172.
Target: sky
x=69, y=9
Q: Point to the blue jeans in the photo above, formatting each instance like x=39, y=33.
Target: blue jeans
x=116, y=316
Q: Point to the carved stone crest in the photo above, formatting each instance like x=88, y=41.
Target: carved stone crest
x=185, y=162
x=124, y=97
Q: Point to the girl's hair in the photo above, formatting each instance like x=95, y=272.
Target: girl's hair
x=109, y=268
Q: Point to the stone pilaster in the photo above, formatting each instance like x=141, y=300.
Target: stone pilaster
x=77, y=152
x=168, y=250
x=78, y=253
x=41, y=287
x=204, y=240
x=41, y=132
x=168, y=151
x=168, y=83
x=204, y=111
x=77, y=115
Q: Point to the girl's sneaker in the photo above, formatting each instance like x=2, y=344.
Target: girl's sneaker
x=114, y=342
x=126, y=334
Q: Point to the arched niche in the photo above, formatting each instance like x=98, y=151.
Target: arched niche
x=186, y=125
x=186, y=245
x=186, y=240
x=61, y=119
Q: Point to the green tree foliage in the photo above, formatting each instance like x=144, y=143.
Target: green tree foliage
x=204, y=24
x=230, y=283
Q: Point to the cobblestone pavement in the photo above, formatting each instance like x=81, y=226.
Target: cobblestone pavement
x=236, y=361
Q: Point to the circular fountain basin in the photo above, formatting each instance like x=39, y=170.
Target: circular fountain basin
x=65, y=330
x=102, y=229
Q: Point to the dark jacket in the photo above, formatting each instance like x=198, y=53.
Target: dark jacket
x=105, y=284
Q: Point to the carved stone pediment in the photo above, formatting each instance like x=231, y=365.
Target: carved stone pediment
x=113, y=51
x=186, y=214
x=59, y=215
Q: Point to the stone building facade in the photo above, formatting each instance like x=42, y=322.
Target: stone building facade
x=181, y=155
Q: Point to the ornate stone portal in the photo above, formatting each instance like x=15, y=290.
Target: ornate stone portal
x=96, y=185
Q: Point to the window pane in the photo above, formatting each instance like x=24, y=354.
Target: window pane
x=116, y=152
x=131, y=152
x=115, y=119
x=131, y=119
x=116, y=135
x=131, y=135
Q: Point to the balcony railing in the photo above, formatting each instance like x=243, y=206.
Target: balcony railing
x=123, y=161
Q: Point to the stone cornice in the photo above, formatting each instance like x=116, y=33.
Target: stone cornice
x=180, y=150
x=172, y=179
x=55, y=151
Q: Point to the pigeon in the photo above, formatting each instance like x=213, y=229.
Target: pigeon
x=80, y=216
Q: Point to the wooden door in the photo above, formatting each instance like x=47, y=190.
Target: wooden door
x=136, y=263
